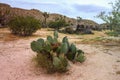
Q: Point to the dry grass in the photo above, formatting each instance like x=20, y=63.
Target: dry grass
x=5, y=35
x=96, y=38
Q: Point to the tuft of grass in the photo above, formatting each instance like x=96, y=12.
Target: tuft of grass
x=46, y=64
x=42, y=61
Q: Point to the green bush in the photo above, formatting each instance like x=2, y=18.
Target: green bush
x=54, y=55
x=24, y=26
x=58, y=24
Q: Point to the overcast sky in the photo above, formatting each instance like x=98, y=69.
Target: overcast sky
x=86, y=9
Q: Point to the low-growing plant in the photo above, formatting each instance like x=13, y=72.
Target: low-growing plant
x=54, y=55
x=24, y=26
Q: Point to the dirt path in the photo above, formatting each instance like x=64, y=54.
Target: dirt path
x=16, y=64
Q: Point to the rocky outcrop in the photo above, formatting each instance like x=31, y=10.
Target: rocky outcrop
x=38, y=15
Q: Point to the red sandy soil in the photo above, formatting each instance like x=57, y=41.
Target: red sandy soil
x=102, y=63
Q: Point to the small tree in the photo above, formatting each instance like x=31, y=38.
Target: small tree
x=79, y=19
x=46, y=15
x=113, y=18
x=24, y=26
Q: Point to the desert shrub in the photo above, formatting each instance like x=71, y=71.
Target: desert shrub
x=54, y=55
x=58, y=24
x=24, y=26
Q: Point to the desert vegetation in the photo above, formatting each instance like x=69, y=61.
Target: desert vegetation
x=58, y=23
x=54, y=55
x=24, y=26
x=113, y=18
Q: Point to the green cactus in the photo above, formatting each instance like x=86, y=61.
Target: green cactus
x=36, y=46
x=73, y=48
x=72, y=52
x=65, y=39
x=41, y=41
x=80, y=57
x=64, y=48
x=47, y=46
x=70, y=56
x=58, y=50
x=55, y=40
x=64, y=61
x=56, y=54
x=55, y=34
x=50, y=39
x=56, y=62
x=80, y=51
x=60, y=64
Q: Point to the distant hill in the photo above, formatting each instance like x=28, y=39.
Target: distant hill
x=38, y=15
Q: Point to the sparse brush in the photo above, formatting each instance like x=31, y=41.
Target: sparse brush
x=24, y=26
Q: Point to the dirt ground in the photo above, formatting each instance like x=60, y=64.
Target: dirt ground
x=102, y=63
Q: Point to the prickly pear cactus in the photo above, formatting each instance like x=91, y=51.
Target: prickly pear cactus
x=47, y=46
x=65, y=40
x=50, y=39
x=72, y=52
x=54, y=55
x=73, y=48
x=64, y=48
x=55, y=34
x=36, y=46
x=41, y=41
x=80, y=57
x=56, y=62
